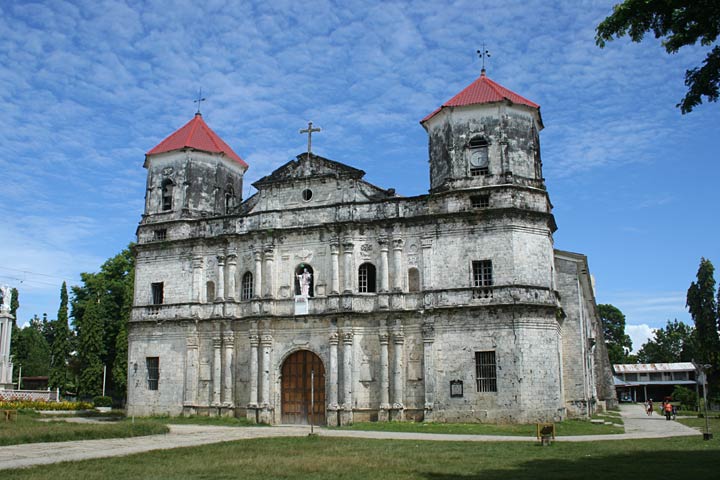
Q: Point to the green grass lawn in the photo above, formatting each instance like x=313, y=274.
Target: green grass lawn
x=699, y=423
x=316, y=458
x=568, y=427
x=202, y=420
x=28, y=428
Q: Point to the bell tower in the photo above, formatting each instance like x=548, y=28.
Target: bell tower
x=485, y=135
x=192, y=173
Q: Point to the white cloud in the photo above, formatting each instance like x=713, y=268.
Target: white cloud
x=639, y=334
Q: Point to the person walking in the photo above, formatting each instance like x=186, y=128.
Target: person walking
x=649, y=407
x=668, y=408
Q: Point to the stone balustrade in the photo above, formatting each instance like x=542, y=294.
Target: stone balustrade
x=395, y=301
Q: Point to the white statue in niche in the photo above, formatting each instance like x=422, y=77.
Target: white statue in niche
x=5, y=292
x=304, y=281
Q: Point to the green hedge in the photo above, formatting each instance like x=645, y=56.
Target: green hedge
x=43, y=405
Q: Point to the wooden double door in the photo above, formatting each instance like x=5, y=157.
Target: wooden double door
x=297, y=389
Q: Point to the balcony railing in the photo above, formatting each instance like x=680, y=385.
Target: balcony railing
x=360, y=303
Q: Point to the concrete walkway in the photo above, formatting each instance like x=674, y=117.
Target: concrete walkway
x=637, y=425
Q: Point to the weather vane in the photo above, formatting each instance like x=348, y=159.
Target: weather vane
x=200, y=99
x=483, y=54
x=309, y=132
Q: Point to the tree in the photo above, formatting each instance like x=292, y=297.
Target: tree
x=32, y=350
x=679, y=23
x=703, y=309
x=91, y=350
x=618, y=342
x=674, y=343
x=14, y=305
x=60, y=348
x=101, y=308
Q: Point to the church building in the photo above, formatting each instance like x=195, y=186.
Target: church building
x=323, y=298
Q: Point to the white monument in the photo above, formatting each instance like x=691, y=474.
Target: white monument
x=6, y=322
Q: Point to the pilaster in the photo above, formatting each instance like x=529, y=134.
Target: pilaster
x=229, y=348
x=217, y=371
x=231, y=273
x=220, y=288
x=428, y=332
x=383, y=414
x=346, y=416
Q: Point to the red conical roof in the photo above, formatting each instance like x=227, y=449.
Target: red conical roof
x=483, y=90
x=196, y=135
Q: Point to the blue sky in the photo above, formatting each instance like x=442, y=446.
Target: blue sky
x=87, y=87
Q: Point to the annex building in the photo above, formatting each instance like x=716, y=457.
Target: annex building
x=324, y=289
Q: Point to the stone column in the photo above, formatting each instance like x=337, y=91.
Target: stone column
x=265, y=402
x=333, y=393
x=397, y=397
x=397, y=282
x=428, y=331
x=228, y=347
x=217, y=371
x=254, y=342
x=231, y=272
x=191, y=370
x=197, y=286
x=335, y=268
x=426, y=245
x=220, y=287
x=383, y=415
x=269, y=257
x=346, y=415
x=257, y=279
x=348, y=270
x=384, y=265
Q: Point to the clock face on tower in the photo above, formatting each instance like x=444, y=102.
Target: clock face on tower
x=478, y=158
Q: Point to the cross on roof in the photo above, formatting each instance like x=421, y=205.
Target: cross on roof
x=483, y=54
x=200, y=98
x=309, y=132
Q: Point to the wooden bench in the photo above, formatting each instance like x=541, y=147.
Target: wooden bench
x=9, y=415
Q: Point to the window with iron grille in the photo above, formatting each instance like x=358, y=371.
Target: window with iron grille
x=480, y=201
x=157, y=293
x=246, y=289
x=153, y=372
x=161, y=234
x=482, y=273
x=486, y=371
x=366, y=278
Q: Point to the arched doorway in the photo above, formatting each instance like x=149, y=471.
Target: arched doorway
x=296, y=372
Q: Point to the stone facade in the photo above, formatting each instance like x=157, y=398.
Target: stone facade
x=450, y=306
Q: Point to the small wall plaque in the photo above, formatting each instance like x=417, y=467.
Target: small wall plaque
x=456, y=388
x=301, y=305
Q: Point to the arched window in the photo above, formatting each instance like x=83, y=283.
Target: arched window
x=413, y=279
x=478, y=156
x=246, y=286
x=366, y=278
x=229, y=199
x=304, y=280
x=167, y=194
x=210, y=291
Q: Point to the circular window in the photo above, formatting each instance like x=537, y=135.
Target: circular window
x=307, y=194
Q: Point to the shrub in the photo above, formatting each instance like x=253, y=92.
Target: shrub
x=101, y=401
x=685, y=396
x=43, y=405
